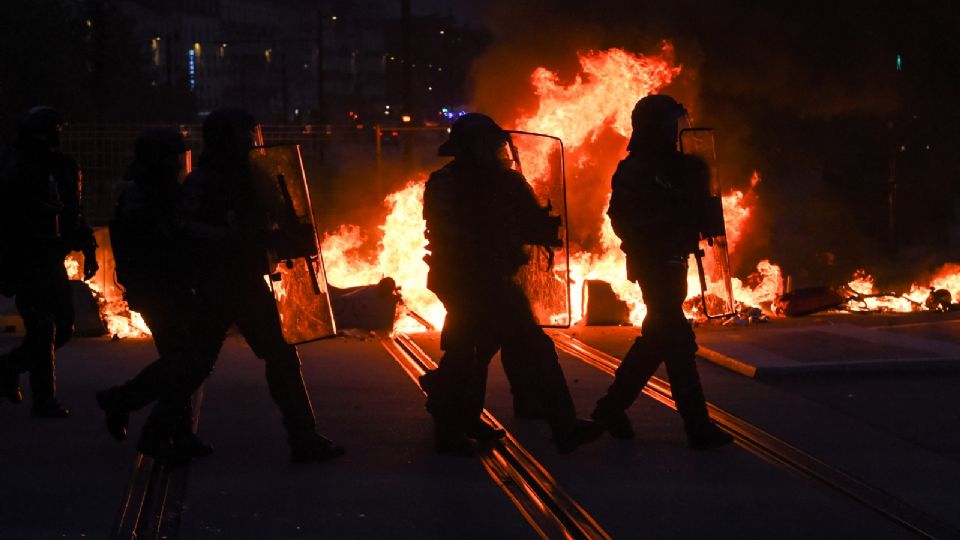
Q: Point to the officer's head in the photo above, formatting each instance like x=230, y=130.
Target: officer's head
x=228, y=133
x=159, y=157
x=476, y=138
x=42, y=126
x=655, y=120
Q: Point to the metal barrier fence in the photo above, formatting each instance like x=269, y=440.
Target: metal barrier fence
x=341, y=160
x=105, y=151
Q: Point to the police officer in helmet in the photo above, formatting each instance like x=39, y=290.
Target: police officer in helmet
x=480, y=214
x=147, y=236
x=659, y=196
x=41, y=215
x=226, y=223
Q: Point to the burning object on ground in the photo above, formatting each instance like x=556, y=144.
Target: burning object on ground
x=602, y=306
x=940, y=300
x=808, y=301
x=366, y=307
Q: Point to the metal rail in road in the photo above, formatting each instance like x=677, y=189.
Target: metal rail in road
x=551, y=512
x=153, y=500
x=766, y=446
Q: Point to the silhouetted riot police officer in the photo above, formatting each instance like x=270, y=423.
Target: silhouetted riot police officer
x=479, y=216
x=659, y=196
x=227, y=226
x=151, y=262
x=42, y=220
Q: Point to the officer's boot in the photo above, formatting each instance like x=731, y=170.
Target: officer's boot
x=702, y=433
x=115, y=410
x=450, y=437
x=637, y=367
x=43, y=386
x=575, y=434
x=185, y=442
x=9, y=380
x=483, y=432
x=289, y=392
x=168, y=436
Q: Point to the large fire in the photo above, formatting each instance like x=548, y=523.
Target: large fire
x=598, y=99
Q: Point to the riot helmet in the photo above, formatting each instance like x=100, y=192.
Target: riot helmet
x=42, y=126
x=160, y=157
x=655, y=120
x=228, y=134
x=476, y=137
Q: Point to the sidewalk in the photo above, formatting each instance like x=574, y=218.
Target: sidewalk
x=821, y=344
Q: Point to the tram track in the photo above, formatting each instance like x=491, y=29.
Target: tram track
x=152, y=503
x=770, y=448
x=544, y=504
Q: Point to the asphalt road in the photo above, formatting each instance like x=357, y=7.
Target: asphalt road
x=896, y=431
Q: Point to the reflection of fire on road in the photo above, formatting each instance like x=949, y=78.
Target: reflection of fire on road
x=598, y=100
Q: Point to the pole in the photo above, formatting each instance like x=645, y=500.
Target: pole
x=284, y=91
x=321, y=115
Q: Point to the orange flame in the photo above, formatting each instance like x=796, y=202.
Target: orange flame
x=400, y=255
x=121, y=321
x=599, y=98
x=947, y=277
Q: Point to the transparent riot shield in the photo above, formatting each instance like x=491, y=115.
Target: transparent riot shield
x=546, y=277
x=297, y=276
x=713, y=256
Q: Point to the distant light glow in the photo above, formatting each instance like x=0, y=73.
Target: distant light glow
x=899, y=63
x=406, y=118
x=192, y=69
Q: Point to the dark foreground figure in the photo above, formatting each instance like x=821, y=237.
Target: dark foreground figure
x=225, y=249
x=148, y=246
x=657, y=194
x=479, y=215
x=41, y=217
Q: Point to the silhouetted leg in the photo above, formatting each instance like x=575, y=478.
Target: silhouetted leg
x=520, y=368
x=36, y=352
x=451, y=388
x=687, y=391
x=255, y=314
x=639, y=364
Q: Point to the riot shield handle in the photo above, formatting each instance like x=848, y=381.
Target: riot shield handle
x=698, y=254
